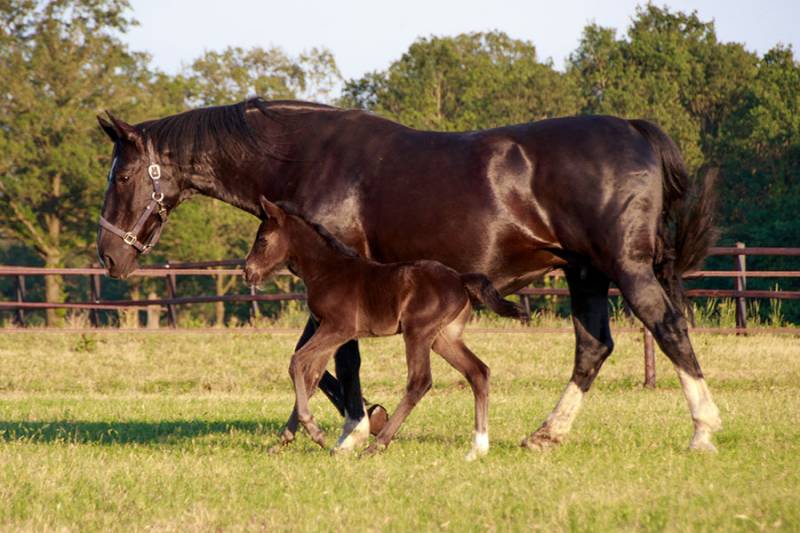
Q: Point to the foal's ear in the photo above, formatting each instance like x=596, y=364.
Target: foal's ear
x=122, y=130
x=271, y=210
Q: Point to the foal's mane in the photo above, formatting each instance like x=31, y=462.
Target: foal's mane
x=190, y=137
x=327, y=237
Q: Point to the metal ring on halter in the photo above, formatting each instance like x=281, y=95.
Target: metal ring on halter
x=158, y=199
x=129, y=238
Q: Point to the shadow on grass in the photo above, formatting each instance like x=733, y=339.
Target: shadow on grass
x=131, y=432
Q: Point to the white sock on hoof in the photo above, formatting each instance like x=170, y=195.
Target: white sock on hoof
x=480, y=446
x=705, y=413
x=354, y=433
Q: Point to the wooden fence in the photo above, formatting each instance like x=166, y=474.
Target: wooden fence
x=739, y=274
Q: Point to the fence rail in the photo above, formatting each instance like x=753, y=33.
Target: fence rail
x=233, y=267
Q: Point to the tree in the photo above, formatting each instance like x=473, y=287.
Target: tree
x=470, y=81
x=671, y=69
x=206, y=229
x=234, y=74
x=60, y=62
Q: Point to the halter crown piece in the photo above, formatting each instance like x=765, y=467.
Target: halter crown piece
x=156, y=200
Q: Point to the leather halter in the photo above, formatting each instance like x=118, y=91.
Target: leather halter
x=156, y=201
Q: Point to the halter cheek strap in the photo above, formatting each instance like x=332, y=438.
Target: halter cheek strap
x=156, y=201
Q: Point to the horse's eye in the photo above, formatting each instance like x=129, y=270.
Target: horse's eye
x=123, y=178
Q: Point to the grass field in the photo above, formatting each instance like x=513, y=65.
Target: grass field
x=170, y=432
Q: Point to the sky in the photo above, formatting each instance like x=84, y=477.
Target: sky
x=369, y=35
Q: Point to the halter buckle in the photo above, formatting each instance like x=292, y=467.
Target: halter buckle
x=154, y=171
x=157, y=197
x=129, y=238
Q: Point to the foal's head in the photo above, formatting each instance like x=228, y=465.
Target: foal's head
x=271, y=247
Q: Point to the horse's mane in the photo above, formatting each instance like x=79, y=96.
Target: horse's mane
x=327, y=237
x=189, y=137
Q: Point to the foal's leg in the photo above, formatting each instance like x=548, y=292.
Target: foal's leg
x=648, y=300
x=306, y=368
x=450, y=346
x=328, y=385
x=418, y=359
x=588, y=291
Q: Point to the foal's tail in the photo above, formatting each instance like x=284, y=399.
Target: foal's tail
x=481, y=290
x=687, y=229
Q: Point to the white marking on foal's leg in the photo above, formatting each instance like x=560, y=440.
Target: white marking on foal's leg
x=480, y=446
x=559, y=422
x=705, y=413
x=355, y=433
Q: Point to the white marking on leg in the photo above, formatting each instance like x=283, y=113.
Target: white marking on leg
x=705, y=413
x=480, y=446
x=355, y=433
x=560, y=420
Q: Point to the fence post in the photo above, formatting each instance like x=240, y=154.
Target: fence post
x=153, y=312
x=253, y=305
x=94, y=289
x=20, y=315
x=172, y=316
x=649, y=360
x=740, y=265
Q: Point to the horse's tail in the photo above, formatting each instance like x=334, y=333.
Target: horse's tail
x=481, y=290
x=687, y=229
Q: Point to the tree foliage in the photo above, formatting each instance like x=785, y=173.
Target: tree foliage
x=63, y=61
x=470, y=81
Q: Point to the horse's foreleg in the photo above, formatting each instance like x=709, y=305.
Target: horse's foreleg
x=355, y=431
x=589, y=301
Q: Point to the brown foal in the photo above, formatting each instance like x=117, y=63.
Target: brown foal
x=354, y=297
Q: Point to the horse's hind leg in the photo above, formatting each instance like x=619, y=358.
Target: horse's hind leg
x=449, y=345
x=650, y=303
x=418, y=359
x=588, y=291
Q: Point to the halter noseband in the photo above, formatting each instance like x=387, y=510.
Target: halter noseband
x=156, y=200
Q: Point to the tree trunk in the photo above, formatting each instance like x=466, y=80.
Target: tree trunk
x=54, y=285
x=54, y=290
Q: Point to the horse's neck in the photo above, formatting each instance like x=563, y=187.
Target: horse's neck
x=312, y=257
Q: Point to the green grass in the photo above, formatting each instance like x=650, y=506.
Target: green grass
x=170, y=432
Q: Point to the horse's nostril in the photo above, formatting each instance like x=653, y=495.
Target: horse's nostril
x=107, y=261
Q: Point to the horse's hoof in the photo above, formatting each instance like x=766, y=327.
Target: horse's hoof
x=540, y=441
x=377, y=418
x=702, y=444
x=355, y=434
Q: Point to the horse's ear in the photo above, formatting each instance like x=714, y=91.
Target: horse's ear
x=108, y=128
x=271, y=210
x=124, y=131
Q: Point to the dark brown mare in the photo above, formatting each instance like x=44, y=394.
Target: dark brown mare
x=352, y=297
x=606, y=199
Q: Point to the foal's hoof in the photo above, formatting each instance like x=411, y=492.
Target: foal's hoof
x=702, y=443
x=540, y=441
x=475, y=454
x=287, y=438
x=373, y=450
x=377, y=418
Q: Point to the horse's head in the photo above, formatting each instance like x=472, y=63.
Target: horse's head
x=142, y=188
x=271, y=247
